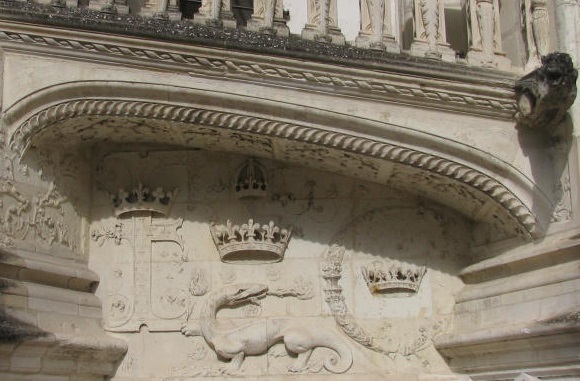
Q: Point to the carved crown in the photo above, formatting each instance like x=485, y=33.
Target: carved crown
x=251, y=180
x=250, y=242
x=141, y=199
x=392, y=277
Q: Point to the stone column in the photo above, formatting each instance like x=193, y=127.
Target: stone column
x=322, y=22
x=268, y=17
x=430, y=39
x=485, y=47
x=379, y=25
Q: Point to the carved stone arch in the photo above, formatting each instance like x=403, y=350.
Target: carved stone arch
x=435, y=167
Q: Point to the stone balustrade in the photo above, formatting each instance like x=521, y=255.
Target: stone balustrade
x=414, y=27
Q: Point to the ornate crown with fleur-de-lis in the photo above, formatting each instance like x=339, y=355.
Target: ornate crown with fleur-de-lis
x=142, y=198
x=393, y=277
x=250, y=242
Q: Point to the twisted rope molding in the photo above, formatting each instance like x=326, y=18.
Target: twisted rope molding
x=271, y=128
x=221, y=66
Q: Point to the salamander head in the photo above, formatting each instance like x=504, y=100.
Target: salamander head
x=249, y=292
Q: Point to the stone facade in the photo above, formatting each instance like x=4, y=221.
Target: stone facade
x=222, y=191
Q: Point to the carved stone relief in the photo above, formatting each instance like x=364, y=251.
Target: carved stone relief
x=165, y=273
x=250, y=241
x=104, y=234
x=35, y=213
x=380, y=272
x=142, y=198
x=152, y=280
x=392, y=277
x=251, y=181
x=257, y=336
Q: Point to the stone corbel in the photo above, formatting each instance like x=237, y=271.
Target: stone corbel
x=545, y=95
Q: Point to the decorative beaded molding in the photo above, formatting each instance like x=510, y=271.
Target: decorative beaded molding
x=272, y=128
x=414, y=92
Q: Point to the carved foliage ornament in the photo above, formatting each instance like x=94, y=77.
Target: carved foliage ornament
x=250, y=242
x=546, y=94
x=41, y=216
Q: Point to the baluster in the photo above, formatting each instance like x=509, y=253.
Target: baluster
x=322, y=22
x=215, y=13
x=430, y=39
x=172, y=10
x=57, y=3
x=379, y=25
x=108, y=6
x=485, y=48
x=268, y=17
x=536, y=25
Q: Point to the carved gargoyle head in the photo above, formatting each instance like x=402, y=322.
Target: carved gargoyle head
x=545, y=94
x=558, y=69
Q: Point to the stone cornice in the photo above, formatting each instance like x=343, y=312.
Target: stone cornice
x=452, y=88
x=441, y=166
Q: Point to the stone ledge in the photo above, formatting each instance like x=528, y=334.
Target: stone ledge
x=47, y=270
x=397, y=79
x=501, y=353
x=553, y=250
x=521, y=282
x=66, y=355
